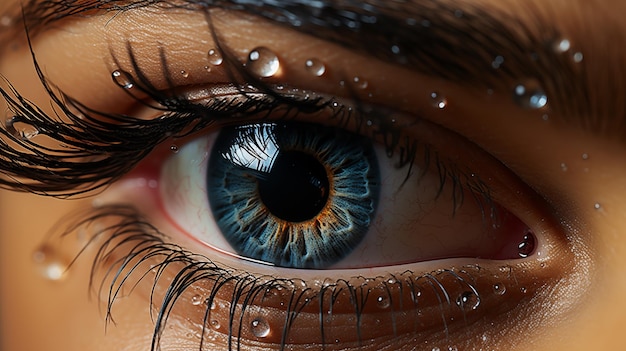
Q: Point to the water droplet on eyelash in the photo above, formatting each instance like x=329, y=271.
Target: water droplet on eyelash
x=215, y=58
x=123, y=79
x=438, y=101
x=315, y=67
x=52, y=265
x=497, y=62
x=527, y=246
x=578, y=57
x=263, y=62
x=196, y=300
x=383, y=302
x=468, y=301
x=360, y=83
x=215, y=324
x=184, y=73
x=499, y=289
x=174, y=148
x=20, y=129
x=260, y=328
x=530, y=96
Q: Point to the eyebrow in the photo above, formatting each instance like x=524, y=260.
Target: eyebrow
x=472, y=45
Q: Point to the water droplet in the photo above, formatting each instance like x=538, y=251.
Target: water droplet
x=597, y=206
x=438, y=101
x=6, y=21
x=436, y=349
x=207, y=68
x=123, y=79
x=484, y=337
x=184, y=73
x=196, y=300
x=174, y=148
x=578, y=57
x=563, y=45
x=468, y=300
x=585, y=156
x=530, y=96
x=215, y=58
x=527, y=246
x=360, y=82
x=499, y=288
x=564, y=167
x=497, y=62
x=20, y=129
x=52, y=265
x=263, y=62
x=523, y=290
x=383, y=302
x=315, y=67
x=260, y=328
x=452, y=348
x=215, y=324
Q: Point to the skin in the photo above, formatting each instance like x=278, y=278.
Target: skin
x=583, y=306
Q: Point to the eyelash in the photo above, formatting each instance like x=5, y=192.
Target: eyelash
x=93, y=158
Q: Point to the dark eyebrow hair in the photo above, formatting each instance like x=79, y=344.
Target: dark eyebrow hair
x=468, y=44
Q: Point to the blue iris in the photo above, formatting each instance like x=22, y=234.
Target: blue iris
x=293, y=194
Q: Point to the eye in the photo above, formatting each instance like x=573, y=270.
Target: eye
x=305, y=195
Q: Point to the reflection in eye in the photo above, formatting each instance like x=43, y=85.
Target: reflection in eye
x=304, y=202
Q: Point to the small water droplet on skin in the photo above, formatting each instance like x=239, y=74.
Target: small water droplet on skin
x=215, y=324
x=563, y=46
x=263, y=62
x=585, y=156
x=196, y=300
x=436, y=349
x=468, y=301
x=438, y=101
x=523, y=290
x=315, y=67
x=207, y=68
x=578, y=57
x=564, y=167
x=597, y=206
x=174, y=148
x=215, y=58
x=123, y=79
x=184, y=73
x=527, y=246
x=51, y=264
x=6, y=21
x=360, y=83
x=484, y=337
x=383, y=302
x=260, y=328
x=499, y=289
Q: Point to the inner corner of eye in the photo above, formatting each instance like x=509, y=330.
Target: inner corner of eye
x=301, y=195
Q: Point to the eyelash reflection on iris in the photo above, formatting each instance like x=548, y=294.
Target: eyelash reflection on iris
x=296, y=195
x=449, y=293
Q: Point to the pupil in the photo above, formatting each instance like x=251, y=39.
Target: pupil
x=296, y=189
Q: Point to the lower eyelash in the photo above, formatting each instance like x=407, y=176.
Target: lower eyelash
x=130, y=251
